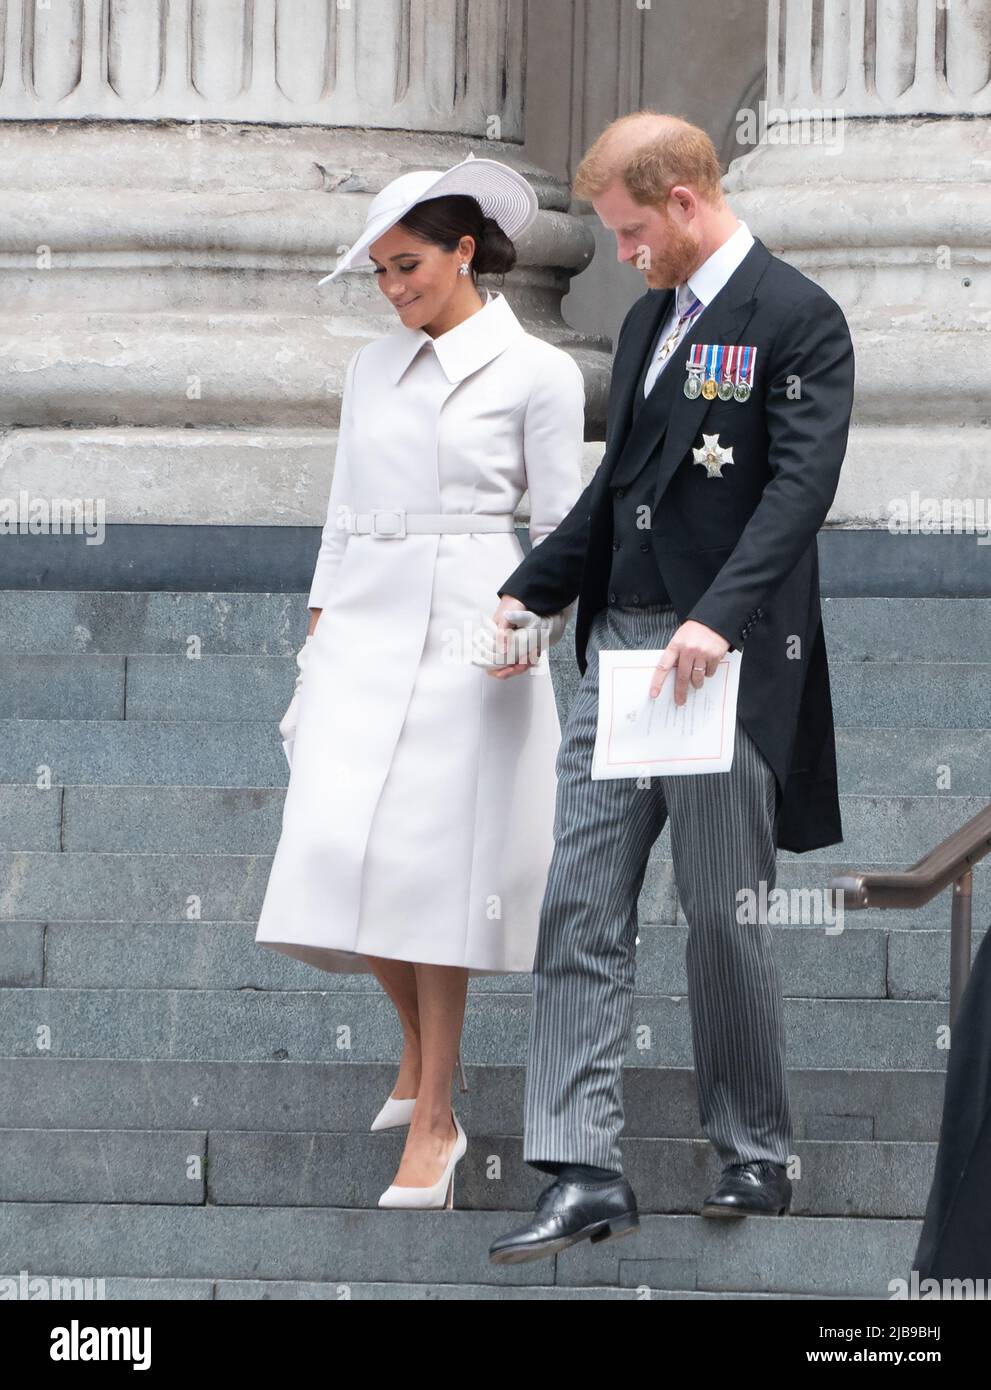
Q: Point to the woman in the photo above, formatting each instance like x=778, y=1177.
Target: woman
x=418, y=823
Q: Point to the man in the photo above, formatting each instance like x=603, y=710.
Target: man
x=697, y=534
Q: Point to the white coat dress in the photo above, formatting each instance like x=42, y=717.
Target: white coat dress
x=418, y=820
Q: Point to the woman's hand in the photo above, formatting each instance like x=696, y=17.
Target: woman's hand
x=287, y=725
x=508, y=640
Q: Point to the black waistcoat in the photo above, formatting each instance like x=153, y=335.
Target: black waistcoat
x=634, y=578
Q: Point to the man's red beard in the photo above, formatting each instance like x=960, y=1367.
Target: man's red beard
x=678, y=261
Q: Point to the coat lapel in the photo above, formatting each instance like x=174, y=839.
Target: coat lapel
x=667, y=410
x=628, y=368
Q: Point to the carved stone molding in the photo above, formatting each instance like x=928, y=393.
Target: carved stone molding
x=879, y=57
x=889, y=210
x=430, y=65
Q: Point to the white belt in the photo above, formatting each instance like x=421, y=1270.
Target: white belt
x=392, y=523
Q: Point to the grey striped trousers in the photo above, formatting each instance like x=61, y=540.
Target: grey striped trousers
x=722, y=840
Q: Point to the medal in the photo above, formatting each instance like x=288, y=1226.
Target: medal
x=711, y=373
x=725, y=388
x=712, y=455
x=745, y=377
x=693, y=382
x=725, y=370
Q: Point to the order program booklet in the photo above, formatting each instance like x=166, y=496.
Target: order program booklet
x=637, y=736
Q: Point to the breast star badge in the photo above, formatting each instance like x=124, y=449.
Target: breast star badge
x=712, y=455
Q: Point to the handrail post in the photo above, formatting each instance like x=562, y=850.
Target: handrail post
x=960, y=942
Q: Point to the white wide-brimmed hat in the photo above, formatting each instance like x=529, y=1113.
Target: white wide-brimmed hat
x=500, y=192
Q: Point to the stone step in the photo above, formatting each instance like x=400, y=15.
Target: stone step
x=865, y=961
x=896, y=829
x=145, y=753
x=163, y=621
x=911, y=695
x=103, y=1165
x=833, y=1256
x=270, y=624
x=159, y=887
x=248, y=820
x=297, y=1290
x=38, y=886
x=872, y=762
x=907, y=629
x=279, y=1097
x=256, y=689
x=343, y=1169
x=886, y=1034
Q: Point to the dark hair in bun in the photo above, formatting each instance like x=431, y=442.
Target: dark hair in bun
x=444, y=221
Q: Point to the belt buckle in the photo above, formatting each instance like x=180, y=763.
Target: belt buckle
x=395, y=532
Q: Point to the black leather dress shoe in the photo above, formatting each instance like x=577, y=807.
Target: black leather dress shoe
x=566, y=1213
x=760, y=1188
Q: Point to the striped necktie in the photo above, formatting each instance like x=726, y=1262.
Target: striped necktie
x=689, y=306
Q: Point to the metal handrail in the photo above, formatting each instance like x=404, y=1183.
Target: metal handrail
x=952, y=861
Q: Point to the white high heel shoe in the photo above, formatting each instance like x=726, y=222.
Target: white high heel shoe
x=396, y=1113
x=423, y=1197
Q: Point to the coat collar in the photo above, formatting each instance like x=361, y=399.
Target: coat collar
x=462, y=349
x=706, y=282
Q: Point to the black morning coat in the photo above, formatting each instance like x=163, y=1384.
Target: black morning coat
x=737, y=552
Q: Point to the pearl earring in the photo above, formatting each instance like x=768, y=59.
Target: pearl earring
x=463, y=268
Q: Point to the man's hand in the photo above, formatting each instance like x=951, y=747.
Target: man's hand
x=695, y=650
x=507, y=604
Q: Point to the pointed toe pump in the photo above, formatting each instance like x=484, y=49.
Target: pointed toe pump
x=441, y=1193
x=396, y=1113
x=393, y=1114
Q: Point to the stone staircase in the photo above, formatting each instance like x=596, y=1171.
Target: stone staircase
x=185, y=1114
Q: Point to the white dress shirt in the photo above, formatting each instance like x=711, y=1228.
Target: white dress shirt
x=705, y=283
